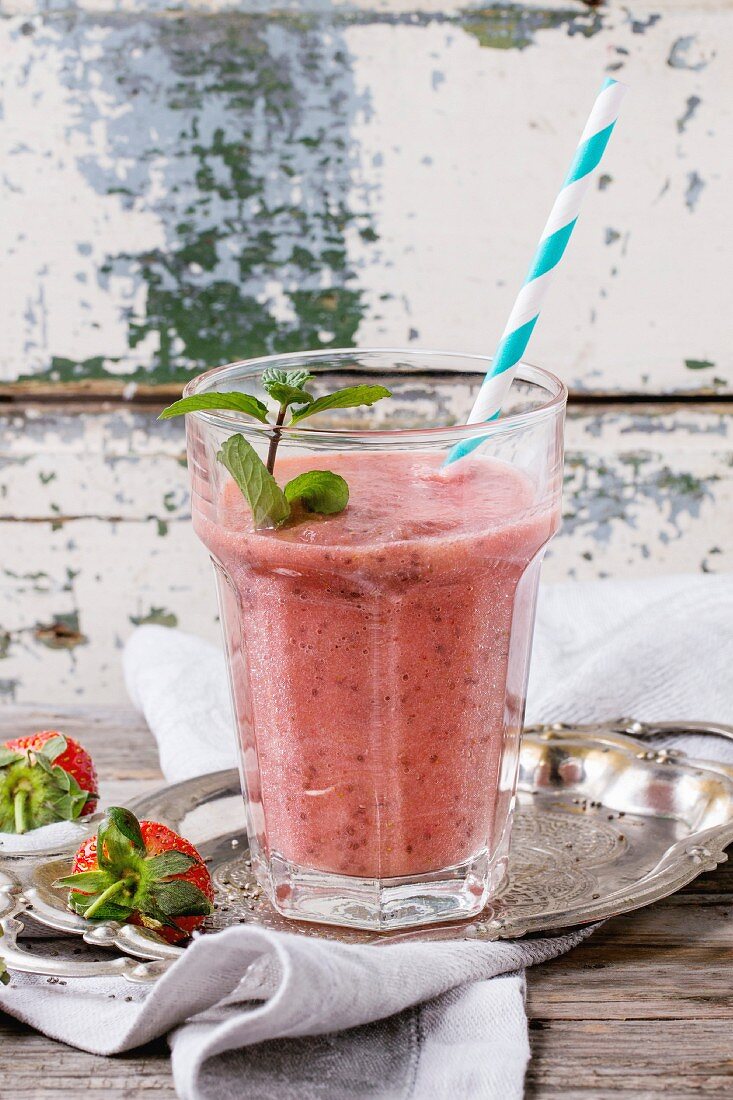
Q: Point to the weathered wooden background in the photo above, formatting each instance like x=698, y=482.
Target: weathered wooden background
x=185, y=187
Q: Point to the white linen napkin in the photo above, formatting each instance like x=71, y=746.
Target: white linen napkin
x=268, y=1014
x=55, y=837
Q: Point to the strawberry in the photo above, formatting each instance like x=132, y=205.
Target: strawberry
x=140, y=872
x=43, y=778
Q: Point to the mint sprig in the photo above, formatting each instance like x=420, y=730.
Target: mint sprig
x=318, y=491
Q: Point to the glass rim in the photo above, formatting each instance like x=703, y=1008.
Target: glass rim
x=526, y=372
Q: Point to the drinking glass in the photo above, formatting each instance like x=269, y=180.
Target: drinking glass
x=378, y=658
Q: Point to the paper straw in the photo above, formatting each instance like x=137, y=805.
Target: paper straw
x=548, y=254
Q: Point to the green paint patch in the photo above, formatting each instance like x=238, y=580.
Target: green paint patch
x=256, y=209
x=514, y=27
x=71, y=575
x=71, y=370
x=40, y=575
x=157, y=615
x=684, y=484
x=237, y=204
x=698, y=364
x=635, y=460
x=5, y=642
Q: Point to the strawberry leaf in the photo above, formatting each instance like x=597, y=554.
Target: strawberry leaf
x=178, y=899
x=7, y=756
x=92, y=882
x=111, y=910
x=45, y=765
x=118, y=837
x=206, y=402
x=169, y=863
x=52, y=749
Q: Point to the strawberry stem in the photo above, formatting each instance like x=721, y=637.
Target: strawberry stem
x=20, y=805
x=105, y=896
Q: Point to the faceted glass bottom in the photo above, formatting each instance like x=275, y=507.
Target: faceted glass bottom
x=382, y=905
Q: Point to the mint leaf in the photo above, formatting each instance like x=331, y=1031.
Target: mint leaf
x=349, y=398
x=286, y=386
x=295, y=378
x=238, y=402
x=319, y=491
x=288, y=395
x=262, y=492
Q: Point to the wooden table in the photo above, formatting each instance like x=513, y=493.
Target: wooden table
x=641, y=1010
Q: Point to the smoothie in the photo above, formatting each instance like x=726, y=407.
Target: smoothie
x=379, y=660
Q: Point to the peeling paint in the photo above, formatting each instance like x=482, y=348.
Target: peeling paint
x=62, y=633
x=603, y=494
x=515, y=27
x=234, y=184
x=641, y=26
x=695, y=186
x=157, y=615
x=691, y=106
x=243, y=161
x=8, y=689
x=679, y=54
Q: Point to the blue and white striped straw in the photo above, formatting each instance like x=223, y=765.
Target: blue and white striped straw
x=550, y=249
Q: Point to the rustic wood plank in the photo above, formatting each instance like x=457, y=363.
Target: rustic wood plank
x=280, y=201
x=96, y=536
x=117, y=737
x=42, y=1069
x=624, y=981
x=636, y=1059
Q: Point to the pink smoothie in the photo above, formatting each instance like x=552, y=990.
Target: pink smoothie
x=379, y=659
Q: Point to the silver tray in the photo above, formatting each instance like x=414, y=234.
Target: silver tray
x=604, y=824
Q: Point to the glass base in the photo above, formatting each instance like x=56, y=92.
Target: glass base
x=381, y=905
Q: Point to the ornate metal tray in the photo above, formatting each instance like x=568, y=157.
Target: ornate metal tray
x=605, y=824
